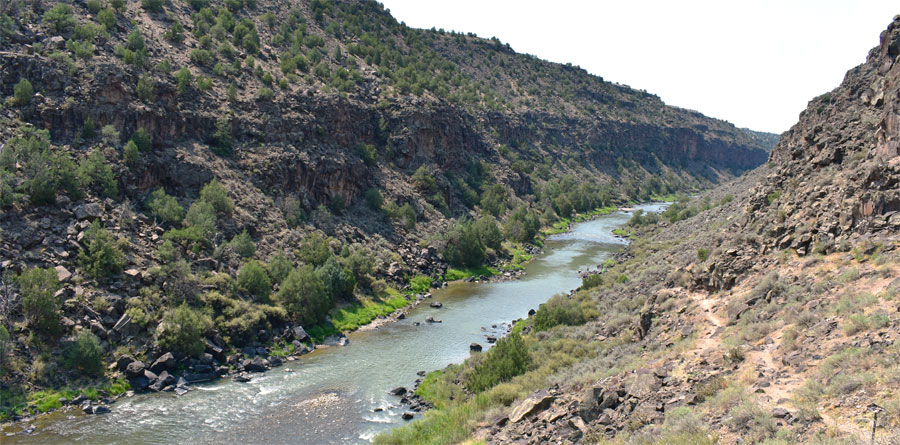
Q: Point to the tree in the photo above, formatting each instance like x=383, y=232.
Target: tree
x=222, y=142
x=339, y=282
x=280, y=266
x=118, y=5
x=165, y=207
x=489, y=231
x=99, y=172
x=142, y=139
x=131, y=153
x=84, y=354
x=243, y=245
x=201, y=219
x=107, y=18
x=464, y=246
x=183, y=78
x=152, y=5
x=253, y=279
x=374, y=199
x=145, y=88
x=23, y=92
x=303, y=296
x=181, y=331
x=314, y=249
x=215, y=194
x=60, y=18
x=102, y=257
x=39, y=303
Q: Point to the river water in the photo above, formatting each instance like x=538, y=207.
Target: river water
x=332, y=394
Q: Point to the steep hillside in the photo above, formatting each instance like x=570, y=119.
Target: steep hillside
x=203, y=178
x=763, y=311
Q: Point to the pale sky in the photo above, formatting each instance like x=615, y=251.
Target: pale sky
x=755, y=63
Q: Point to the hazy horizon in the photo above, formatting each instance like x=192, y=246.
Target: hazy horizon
x=768, y=61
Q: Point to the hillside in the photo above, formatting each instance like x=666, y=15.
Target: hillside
x=764, y=311
x=187, y=185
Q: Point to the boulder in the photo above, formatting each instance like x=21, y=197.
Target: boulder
x=407, y=415
x=258, y=364
x=165, y=378
x=475, y=347
x=63, y=274
x=491, y=339
x=123, y=362
x=398, y=391
x=164, y=362
x=125, y=327
x=139, y=383
x=430, y=319
x=299, y=333
x=135, y=368
x=88, y=212
x=780, y=413
x=151, y=376
x=535, y=403
x=436, y=304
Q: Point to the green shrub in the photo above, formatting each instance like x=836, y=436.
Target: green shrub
x=489, y=231
x=280, y=266
x=201, y=57
x=464, y=246
x=523, y=225
x=507, y=359
x=339, y=282
x=559, y=310
x=253, y=279
x=60, y=18
x=93, y=6
x=591, y=280
x=131, y=154
x=165, y=207
x=367, y=153
x=102, y=257
x=702, y=254
x=265, y=93
x=142, y=139
x=110, y=135
x=99, y=172
x=84, y=354
x=144, y=89
x=107, y=18
x=183, y=79
x=175, y=33
x=302, y=294
x=152, y=5
x=314, y=249
x=215, y=194
x=374, y=199
x=181, y=331
x=222, y=141
x=243, y=245
x=201, y=219
x=39, y=303
x=88, y=129
x=424, y=181
x=23, y=92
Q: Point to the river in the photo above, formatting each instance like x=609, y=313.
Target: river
x=332, y=394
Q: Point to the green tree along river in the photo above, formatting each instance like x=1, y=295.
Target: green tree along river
x=331, y=395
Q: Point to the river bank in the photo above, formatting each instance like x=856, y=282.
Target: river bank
x=353, y=380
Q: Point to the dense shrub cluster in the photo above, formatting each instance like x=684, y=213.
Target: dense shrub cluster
x=507, y=359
